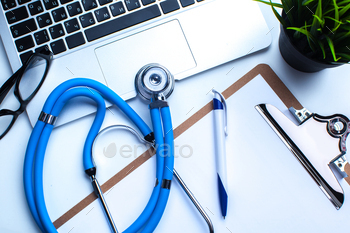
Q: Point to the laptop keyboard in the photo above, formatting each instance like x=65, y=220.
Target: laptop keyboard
x=64, y=25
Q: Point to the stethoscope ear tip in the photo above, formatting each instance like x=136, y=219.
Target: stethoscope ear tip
x=154, y=81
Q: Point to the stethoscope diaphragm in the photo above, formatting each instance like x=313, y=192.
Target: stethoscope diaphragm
x=154, y=81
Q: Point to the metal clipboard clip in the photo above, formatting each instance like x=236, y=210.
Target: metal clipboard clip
x=318, y=142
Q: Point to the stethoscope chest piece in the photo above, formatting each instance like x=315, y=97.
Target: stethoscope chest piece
x=154, y=81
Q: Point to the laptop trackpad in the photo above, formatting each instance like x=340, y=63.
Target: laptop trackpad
x=121, y=60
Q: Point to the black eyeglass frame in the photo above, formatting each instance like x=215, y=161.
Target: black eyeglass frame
x=15, y=80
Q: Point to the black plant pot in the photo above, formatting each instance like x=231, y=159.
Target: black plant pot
x=296, y=59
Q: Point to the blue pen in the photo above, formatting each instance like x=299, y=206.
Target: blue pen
x=220, y=133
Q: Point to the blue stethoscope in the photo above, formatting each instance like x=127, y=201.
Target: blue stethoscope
x=154, y=83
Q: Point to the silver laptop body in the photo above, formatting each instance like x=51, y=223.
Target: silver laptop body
x=109, y=40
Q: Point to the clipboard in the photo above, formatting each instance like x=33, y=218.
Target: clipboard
x=263, y=70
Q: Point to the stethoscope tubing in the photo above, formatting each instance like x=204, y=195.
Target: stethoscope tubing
x=41, y=133
x=158, y=135
x=107, y=94
x=36, y=152
x=168, y=150
x=28, y=171
x=165, y=164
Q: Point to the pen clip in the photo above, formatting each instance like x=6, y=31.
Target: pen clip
x=223, y=101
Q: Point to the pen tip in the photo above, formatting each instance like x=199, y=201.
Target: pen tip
x=224, y=217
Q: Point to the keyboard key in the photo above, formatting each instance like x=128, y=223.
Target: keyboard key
x=104, y=2
x=185, y=3
x=56, y=31
x=65, y=1
x=8, y=4
x=74, y=9
x=132, y=4
x=59, y=14
x=41, y=48
x=24, y=56
x=24, y=43
x=75, y=40
x=20, y=2
x=35, y=8
x=122, y=22
x=89, y=4
x=58, y=47
x=102, y=14
x=169, y=6
x=17, y=15
x=23, y=28
x=44, y=20
x=87, y=20
x=146, y=2
x=41, y=37
x=117, y=8
x=72, y=25
x=49, y=4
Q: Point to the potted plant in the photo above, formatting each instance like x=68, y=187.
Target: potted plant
x=315, y=34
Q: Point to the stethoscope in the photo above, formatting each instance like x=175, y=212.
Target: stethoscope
x=153, y=83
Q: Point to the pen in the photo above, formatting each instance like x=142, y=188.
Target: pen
x=220, y=133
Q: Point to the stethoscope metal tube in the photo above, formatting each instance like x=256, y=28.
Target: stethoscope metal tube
x=176, y=174
x=99, y=194
x=194, y=201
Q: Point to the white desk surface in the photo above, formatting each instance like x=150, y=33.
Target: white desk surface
x=324, y=92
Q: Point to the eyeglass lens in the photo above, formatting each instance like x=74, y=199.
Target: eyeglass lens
x=32, y=76
x=28, y=84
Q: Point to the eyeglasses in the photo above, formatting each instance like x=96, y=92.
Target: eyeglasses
x=27, y=80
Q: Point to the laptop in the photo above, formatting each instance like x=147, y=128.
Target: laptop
x=110, y=40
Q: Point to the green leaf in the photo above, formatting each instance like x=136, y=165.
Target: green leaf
x=344, y=9
x=282, y=21
x=301, y=30
x=315, y=22
x=344, y=55
x=342, y=36
x=331, y=46
x=328, y=17
x=345, y=26
x=336, y=13
x=337, y=22
x=299, y=19
x=288, y=9
x=309, y=36
x=319, y=20
x=296, y=35
x=346, y=2
x=308, y=2
x=322, y=49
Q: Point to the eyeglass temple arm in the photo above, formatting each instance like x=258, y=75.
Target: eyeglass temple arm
x=6, y=87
